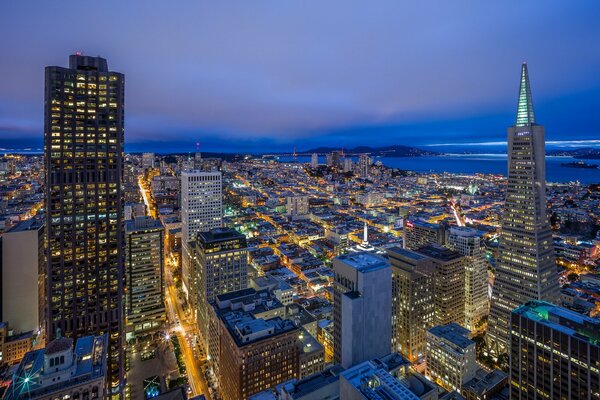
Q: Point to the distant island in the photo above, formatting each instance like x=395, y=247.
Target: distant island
x=589, y=153
x=384, y=151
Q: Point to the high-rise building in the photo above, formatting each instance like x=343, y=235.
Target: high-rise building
x=364, y=163
x=526, y=268
x=297, y=206
x=469, y=243
x=83, y=145
x=63, y=371
x=451, y=356
x=201, y=202
x=197, y=160
x=220, y=266
x=201, y=211
x=362, y=308
x=348, y=164
x=412, y=301
x=148, y=160
x=22, y=276
x=314, y=160
x=334, y=159
x=417, y=233
x=449, y=284
x=554, y=353
x=145, y=295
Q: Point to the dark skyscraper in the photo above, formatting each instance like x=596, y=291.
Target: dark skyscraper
x=526, y=268
x=83, y=144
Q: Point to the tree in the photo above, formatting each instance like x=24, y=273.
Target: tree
x=572, y=277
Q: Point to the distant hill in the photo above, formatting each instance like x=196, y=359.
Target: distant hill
x=585, y=152
x=384, y=151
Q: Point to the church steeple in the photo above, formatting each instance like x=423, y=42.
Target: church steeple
x=525, y=114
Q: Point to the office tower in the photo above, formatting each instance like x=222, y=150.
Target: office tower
x=348, y=165
x=201, y=211
x=412, y=301
x=554, y=353
x=417, y=233
x=297, y=206
x=197, y=160
x=83, y=141
x=314, y=160
x=469, y=243
x=220, y=266
x=449, y=284
x=334, y=159
x=61, y=371
x=364, y=163
x=362, y=308
x=451, y=356
x=22, y=276
x=526, y=269
x=251, y=346
x=201, y=202
x=148, y=160
x=144, y=258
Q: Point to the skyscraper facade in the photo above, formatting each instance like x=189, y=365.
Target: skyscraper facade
x=526, y=268
x=362, y=311
x=220, y=266
x=412, y=301
x=145, y=294
x=554, y=353
x=469, y=243
x=201, y=211
x=449, y=284
x=83, y=145
x=417, y=233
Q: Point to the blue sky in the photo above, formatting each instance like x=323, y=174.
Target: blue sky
x=268, y=75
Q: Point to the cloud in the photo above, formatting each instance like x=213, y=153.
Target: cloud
x=281, y=72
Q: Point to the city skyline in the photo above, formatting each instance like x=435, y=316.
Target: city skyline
x=309, y=205
x=235, y=88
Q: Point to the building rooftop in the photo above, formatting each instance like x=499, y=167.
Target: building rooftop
x=27, y=225
x=466, y=231
x=142, y=223
x=58, y=345
x=485, y=381
x=439, y=253
x=364, y=261
x=562, y=319
x=406, y=253
x=89, y=363
x=298, y=389
x=246, y=329
x=454, y=334
x=376, y=383
x=220, y=234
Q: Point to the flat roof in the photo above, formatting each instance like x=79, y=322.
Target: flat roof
x=364, y=261
x=549, y=314
x=453, y=333
x=406, y=253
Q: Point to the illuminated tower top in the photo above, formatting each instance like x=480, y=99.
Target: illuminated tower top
x=525, y=114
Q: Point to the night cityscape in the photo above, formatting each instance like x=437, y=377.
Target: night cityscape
x=298, y=201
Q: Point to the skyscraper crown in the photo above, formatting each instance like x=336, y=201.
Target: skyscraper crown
x=525, y=114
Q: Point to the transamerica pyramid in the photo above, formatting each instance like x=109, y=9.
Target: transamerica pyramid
x=526, y=268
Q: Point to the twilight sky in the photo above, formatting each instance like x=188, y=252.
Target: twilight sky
x=268, y=75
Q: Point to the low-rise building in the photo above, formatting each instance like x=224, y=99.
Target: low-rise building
x=61, y=371
x=451, y=356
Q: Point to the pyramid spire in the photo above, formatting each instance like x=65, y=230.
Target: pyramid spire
x=525, y=114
